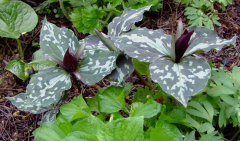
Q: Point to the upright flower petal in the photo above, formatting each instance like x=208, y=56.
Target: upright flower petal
x=179, y=29
x=79, y=52
x=70, y=62
x=181, y=45
x=55, y=60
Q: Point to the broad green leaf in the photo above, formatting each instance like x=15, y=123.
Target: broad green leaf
x=75, y=109
x=16, y=17
x=125, y=21
x=181, y=80
x=52, y=131
x=206, y=127
x=39, y=61
x=19, y=68
x=44, y=90
x=192, y=122
x=96, y=65
x=147, y=110
x=141, y=67
x=126, y=129
x=190, y=137
x=111, y=100
x=86, y=19
x=55, y=41
x=166, y=132
x=93, y=104
x=85, y=129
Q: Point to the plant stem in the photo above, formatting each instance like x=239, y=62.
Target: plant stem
x=235, y=135
x=108, y=16
x=149, y=80
x=141, y=78
x=63, y=9
x=20, y=49
x=76, y=82
x=103, y=22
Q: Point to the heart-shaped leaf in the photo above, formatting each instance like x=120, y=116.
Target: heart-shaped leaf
x=181, y=80
x=16, y=17
x=55, y=41
x=45, y=88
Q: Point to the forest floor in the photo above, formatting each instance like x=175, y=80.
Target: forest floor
x=18, y=125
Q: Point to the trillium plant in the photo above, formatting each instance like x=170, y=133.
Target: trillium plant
x=48, y=86
x=172, y=66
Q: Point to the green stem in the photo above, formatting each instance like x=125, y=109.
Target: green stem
x=76, y=83
x=103, y=22
x=235, y=135
x=108, y=16
x=63, y=9
x=141, y=78
x=20, y=49
x=149, y=80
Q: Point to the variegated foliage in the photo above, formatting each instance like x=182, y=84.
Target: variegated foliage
x=183, y=79
x=46, y=87
x=101, y=41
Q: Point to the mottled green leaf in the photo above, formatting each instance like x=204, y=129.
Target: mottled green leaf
x=141, y=67
x=16, y=17
x=45, y=88
x=55, y=41
x=96, y=65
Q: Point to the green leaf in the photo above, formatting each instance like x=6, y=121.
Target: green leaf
x=206, y=127
x=16, y=17
x=19, y=68
x=205, y=112
x=190, y=137
x=166, y=132
x=142, y=94
x=87, y=19
x=126, y=129
x=85, y=129
x=39, y=61
x=84, y=3
x=147, y=110
x=211, y=137
x=44, y=90
x=141, y=67
x=52, y=131
x=75, y=109
x=112, y=99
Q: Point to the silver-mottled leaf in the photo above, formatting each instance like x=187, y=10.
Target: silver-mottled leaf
x=123, y=69
x=50, y=116
x=207, y=40
x=96, y=65
x=144, y=44
x=45, y=88
x=55, y=41
x=126, y=21
x=181, y=80
x=93, y=43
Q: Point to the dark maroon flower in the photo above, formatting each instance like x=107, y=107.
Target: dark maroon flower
x=70, y=61
x=181, y=45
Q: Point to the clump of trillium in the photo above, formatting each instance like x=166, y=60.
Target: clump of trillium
x=172, y=66
x=70, y=61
